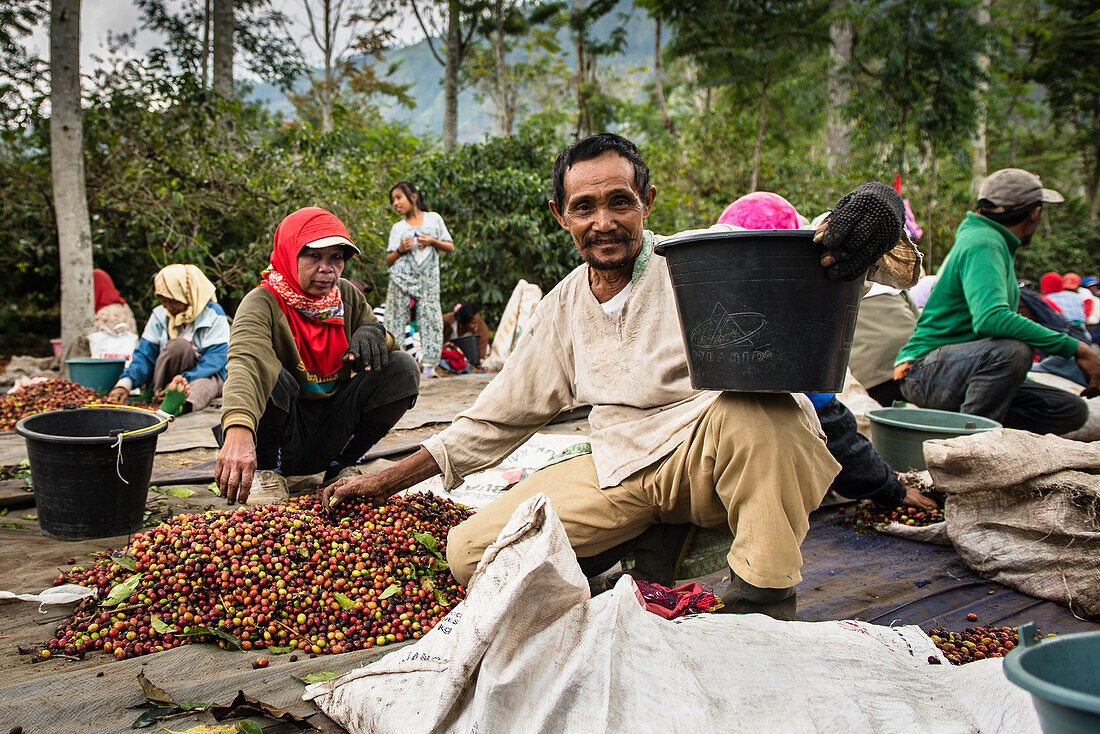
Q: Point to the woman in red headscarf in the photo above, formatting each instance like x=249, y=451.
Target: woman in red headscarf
x=314, y=380
x=111, y=312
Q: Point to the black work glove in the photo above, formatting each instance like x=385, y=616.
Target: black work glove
x=367, y=347
x=863, y=226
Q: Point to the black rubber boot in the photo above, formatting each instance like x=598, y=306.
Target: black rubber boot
x=658, y=553
x=741, y=597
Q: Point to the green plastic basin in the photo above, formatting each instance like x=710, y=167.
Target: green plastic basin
x=898, y=434
x=98, y=374
x=1062, y=674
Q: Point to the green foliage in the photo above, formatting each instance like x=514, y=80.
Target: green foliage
x=914, y=74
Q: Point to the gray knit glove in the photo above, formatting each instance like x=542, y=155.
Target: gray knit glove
x=863, y=226
x=367, y=346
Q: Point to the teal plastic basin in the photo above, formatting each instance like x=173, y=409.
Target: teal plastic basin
x=898, y=434
x=98, y=374
x=1062, y=674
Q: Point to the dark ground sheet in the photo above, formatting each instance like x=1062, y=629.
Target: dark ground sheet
x=874, y=577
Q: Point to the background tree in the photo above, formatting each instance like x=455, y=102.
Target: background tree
x=74, y=232
x=762, y=43
x=222, y=25
x=914, y=73
x=1070, y=70
x=456, y=21
x=529, y=77
x=260, y=33
x=840, y=55
x=581, y=18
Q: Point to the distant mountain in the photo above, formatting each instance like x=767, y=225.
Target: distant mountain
x=417, y=66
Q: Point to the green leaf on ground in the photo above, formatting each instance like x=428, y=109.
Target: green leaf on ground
x=122, y=590
x=248, y=727
x=233, y=644
x=428, y=541
x=279, y=650
x=316, y=677
x=389, y=591
x=126, y=562
x=30, y=517
x=343, y=601
x=13, y=526
x=180, y=492
x=159, y=625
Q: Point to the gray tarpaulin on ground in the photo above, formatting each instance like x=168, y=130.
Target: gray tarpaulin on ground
x=439, y=401
x=97, y=698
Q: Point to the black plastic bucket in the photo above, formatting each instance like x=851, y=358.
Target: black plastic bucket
x=85, y=484
x=470, y=346
x=758, y=313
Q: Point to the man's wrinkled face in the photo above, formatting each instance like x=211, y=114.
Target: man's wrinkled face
x=603, y=212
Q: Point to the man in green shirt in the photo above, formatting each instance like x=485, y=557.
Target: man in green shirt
x=971, y=350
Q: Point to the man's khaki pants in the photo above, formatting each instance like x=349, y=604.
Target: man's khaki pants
x=754, y=462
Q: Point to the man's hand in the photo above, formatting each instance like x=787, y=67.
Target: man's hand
x=915, y=498
x=366, y=487
x=118, y=395
x=236, y=464
x=367, y=348
x=863, y=226
x=1089, y=361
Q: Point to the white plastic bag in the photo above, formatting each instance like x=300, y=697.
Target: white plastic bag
x=108, y=345
x=529, y=651
x=65, y=594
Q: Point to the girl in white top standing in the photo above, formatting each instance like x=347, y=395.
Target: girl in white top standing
x=413, y=260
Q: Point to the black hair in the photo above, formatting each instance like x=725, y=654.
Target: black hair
x=593, y=147
x=466, y=312
x=1008, y=218
x=408, y=188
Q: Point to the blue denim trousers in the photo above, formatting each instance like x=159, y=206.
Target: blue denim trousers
x=987, y=377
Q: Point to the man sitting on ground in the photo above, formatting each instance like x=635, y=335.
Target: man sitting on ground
x=608, y=335
x=971, y=350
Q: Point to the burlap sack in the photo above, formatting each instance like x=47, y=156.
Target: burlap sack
x=1022, y=510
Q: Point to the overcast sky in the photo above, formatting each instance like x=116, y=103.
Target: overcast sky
x=100, y=18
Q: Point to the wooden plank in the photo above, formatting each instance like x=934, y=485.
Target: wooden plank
x=13, y=493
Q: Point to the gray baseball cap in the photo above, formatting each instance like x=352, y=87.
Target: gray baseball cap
x=1014, y=188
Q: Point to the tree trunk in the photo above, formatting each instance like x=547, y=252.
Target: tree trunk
x=979, y=166
x=582, y=102
x=223, y=47
x=327, y=89
x=74, y=232
x=658, y=78
x=450, y=78
x=1093, y=183
x=206, y=44
x=504, y=106
x=840, y=53
x=760, y=126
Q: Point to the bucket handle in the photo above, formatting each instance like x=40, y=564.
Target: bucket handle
x=1028, y=634
x=165, y=418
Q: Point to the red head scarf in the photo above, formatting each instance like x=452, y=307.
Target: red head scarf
x=105, y=291
x=316, y=323
x=1051, y=283
x=1072, y=281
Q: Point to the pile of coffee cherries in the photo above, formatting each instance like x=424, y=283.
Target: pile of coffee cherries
x=867, y=514
x=283, y=577
x=974, y=643
x=39, y=397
